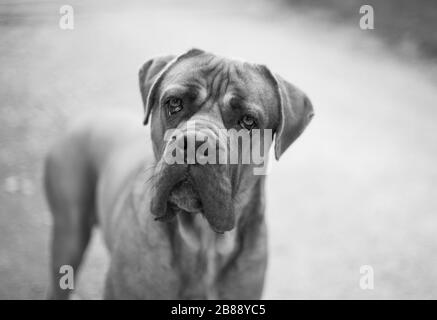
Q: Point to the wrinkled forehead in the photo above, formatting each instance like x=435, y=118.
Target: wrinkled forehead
x=220, y=76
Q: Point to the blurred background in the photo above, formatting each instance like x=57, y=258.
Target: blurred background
x=358, y=188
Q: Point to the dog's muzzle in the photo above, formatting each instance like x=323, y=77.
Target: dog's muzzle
x=195, y=182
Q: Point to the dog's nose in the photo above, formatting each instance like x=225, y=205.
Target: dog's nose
x=197, y=148
x=196, y=143
x=191, y=147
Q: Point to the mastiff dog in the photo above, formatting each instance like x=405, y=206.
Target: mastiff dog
x=185, y=229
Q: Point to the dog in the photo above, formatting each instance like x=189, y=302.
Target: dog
x=173, y=231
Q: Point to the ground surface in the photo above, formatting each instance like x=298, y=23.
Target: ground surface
x=357, y=189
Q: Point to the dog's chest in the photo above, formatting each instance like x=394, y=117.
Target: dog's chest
x=201, y=256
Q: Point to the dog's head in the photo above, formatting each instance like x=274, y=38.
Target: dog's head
x=196, y=102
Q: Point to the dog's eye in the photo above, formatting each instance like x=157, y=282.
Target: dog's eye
x=174, y=105
x=247, y=122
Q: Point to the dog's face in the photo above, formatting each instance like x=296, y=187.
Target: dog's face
x=196, y=101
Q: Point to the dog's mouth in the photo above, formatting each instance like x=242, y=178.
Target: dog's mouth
x=184, y=197
x=198, y=189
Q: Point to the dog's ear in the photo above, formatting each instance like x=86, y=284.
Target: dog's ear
x=151, y=74
x=148, y=74
x=295, y=112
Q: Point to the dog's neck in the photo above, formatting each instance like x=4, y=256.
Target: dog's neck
x=200, y=255
x=203, y=255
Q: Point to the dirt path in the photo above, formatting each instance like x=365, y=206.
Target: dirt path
x=357, y=189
